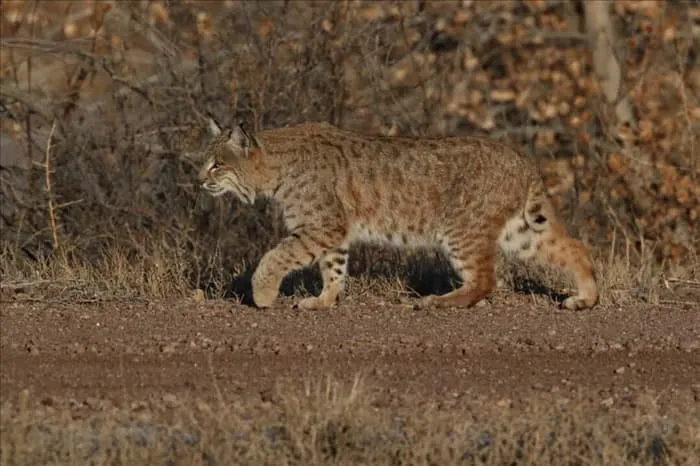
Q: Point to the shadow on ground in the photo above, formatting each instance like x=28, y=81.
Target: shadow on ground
x=423, y=273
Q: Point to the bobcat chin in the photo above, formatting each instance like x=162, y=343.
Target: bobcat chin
x=466, y=195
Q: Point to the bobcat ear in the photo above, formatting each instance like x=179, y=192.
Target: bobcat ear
x=240, y=141
x=214, y=128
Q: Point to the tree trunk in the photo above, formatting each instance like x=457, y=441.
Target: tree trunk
x=602, y=37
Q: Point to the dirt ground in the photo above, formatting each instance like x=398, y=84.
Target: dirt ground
x=506, y=350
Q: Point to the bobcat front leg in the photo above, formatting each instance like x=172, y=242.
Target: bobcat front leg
x=301, y=248
x=334, y=267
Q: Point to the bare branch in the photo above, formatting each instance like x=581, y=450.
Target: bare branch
x=49, y=192
x=40, y=108
x=91, y=59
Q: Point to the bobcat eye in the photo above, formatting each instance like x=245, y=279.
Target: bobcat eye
x=215, y=165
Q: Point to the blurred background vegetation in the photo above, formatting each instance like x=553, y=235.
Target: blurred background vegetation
x=101, y=102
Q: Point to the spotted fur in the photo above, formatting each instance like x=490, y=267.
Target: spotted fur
x=465, y=195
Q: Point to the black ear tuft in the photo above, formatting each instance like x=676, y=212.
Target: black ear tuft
x=246, y=135
x=238, y=139
x=214, y=127
x=251, y=141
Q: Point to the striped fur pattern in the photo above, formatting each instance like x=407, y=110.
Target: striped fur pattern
x=466, y=195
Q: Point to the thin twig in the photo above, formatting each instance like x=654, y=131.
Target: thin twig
x=49, y=192
x=35, y=105
x=69, y=203
x=678, y=303
x=20, y=285
x=28, y=118
x=685, y=282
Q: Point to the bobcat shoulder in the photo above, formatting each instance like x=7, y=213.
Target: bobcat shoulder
x=466, y=195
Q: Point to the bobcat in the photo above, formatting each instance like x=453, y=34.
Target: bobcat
x=464, y=194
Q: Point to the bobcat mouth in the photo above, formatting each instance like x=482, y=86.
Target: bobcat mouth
x=213, y=188
x=247, y=197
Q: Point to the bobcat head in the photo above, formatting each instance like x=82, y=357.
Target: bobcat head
x=229, y=158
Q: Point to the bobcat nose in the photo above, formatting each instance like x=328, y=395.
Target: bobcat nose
x=202, y=178
x=204, y=175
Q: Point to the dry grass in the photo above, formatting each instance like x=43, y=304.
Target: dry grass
x=160, y=270
x=106, y=208
x=96, y=188
x=387, y=273
x=327, y=423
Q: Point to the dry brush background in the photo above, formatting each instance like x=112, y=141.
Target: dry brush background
x=102, y=102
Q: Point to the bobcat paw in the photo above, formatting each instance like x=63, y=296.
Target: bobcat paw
x=314, y=303
x=574, y=303
x=264, y=298
x=426, y=302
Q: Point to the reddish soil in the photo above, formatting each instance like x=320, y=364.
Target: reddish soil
x=125, y=351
